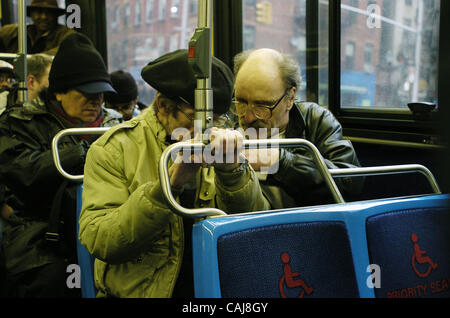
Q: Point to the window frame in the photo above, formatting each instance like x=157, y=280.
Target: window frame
x=383, y=125
x=393, y=126
x=396, y=125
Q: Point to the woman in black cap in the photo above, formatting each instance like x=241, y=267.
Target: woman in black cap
x=78, y=78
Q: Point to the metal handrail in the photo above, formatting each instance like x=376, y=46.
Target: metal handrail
x=327, y=174
x=247, y=144
x=9, y=55
x=386, y=170
x=72, y=131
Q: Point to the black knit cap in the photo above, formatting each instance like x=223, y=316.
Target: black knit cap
x=78, y=65
x=172, y=75
x=125, y=86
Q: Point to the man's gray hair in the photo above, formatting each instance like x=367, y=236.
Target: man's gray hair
x=38, y=63
x=288, y=66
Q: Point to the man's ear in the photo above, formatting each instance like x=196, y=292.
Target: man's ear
x=161, y=104
x=31, y=81
x=292, y=94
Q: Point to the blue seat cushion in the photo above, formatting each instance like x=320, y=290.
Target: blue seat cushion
x=252, y=262
x=393, y=239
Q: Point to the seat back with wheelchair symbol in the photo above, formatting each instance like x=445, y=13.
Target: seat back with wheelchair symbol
x=287, y=254
x=325, y=251
x=412, y=247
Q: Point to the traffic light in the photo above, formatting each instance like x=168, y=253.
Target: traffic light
x=264, y=12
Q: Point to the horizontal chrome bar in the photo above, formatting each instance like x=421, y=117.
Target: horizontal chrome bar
x=328, y=174
x=386, y=170
x=8, y=55
x=66, y=132
x=248, y=144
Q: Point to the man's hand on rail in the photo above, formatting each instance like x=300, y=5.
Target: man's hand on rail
x=225, y=149
x=263, y=159
x=224, y=152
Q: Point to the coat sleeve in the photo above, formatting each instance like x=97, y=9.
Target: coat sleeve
x=298, y=172
x=239, y=192
x=28, y=168
x=117, y=226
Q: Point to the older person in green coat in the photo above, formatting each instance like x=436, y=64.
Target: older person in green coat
x=142, y=248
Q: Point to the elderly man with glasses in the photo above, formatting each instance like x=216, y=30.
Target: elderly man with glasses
x=264, y=101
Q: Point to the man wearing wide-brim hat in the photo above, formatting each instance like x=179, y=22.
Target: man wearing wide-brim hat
x=44, y=35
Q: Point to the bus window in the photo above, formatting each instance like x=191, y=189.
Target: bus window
x=389, y=52
x=139, y=31
x=280, y=25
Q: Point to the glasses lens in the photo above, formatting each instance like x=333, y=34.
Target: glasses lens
x=239, y=108
x=261, y=112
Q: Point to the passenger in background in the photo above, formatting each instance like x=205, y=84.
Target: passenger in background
x=40, y=241
x=38, y=71
x=7, y=80
x=266, y=84
x=44, y=35
x=7, y=76
x=38, y=66
x=142, y=248
x=126, y=99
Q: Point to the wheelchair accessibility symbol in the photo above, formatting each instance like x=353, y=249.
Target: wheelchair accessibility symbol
x=288, y=279
x=419, y=258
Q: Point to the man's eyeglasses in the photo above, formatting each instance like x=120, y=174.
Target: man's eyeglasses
x=261, y=111
x=186, y=114
x=222, y=121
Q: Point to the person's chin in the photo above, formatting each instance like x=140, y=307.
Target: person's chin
x=90, y=118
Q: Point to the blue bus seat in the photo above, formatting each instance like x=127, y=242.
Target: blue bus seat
x=323, y=251
x=85, y=259
x=412, y=247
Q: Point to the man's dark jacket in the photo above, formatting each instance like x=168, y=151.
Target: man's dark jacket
x=298, y=182
x=27, y=167
x=47, y=43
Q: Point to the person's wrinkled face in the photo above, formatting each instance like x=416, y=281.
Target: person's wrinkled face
x=182, y=117
x=43, y=19
x=261, y=99
x=84, y=107
x=126, y=109
x=42, y=82
x=6, y=80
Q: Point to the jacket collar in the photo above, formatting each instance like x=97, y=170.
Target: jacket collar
x=155, y=125
x=32, y=32
x=296, y=125
x=29, y=109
